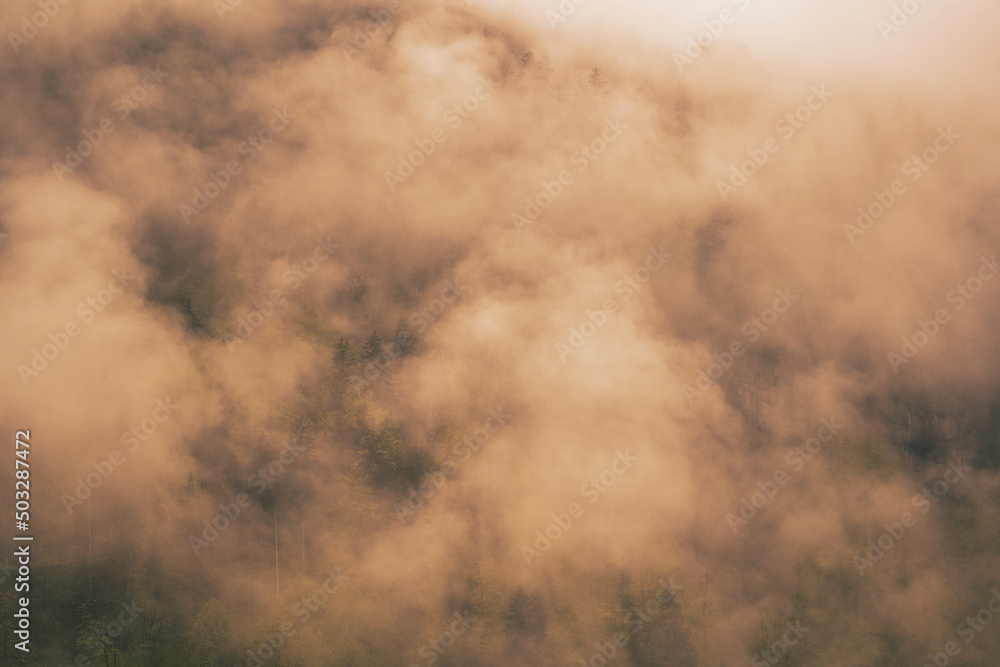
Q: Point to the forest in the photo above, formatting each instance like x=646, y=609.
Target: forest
x=433, y=333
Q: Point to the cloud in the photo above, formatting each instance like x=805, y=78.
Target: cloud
x=363, y=88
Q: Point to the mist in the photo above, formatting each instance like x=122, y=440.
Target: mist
x=495, y=333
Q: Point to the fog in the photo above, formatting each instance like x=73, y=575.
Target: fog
x=458, y=308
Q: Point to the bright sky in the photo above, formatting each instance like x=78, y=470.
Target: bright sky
x=949, y=43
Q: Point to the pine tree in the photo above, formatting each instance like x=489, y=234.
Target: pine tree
x=372, y=346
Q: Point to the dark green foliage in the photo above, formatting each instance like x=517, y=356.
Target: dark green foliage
x=525, y=614
x=372, y=346
x=374, y=461
x=204, y=296
x=210, y=634
x=386, y=460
